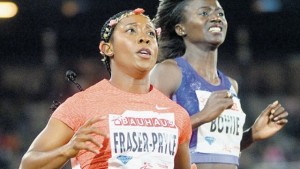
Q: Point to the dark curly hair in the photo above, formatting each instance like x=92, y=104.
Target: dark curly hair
x=106, y=35
x=170, y=13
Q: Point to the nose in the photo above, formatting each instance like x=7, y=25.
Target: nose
x=143, y=39
x=215, y=18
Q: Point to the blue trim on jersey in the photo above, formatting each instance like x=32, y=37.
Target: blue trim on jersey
x=213, y=158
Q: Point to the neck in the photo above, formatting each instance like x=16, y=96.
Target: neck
x=130, y=84
x=204, y=61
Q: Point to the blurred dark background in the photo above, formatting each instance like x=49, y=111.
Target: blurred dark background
x=46, y=38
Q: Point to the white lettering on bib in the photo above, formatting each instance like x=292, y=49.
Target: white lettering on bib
x=143, y=140
x=222, y=135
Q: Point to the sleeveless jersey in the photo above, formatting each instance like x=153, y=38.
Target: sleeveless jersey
x=145, y=129
x=219, y=140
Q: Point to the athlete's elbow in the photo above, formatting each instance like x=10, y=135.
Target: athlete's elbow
x=25, y=162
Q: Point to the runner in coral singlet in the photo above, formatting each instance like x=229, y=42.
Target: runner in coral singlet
x=144, y=129
x=122, y=122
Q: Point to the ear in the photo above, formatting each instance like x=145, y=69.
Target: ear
x=106, y=49
x=180, y=30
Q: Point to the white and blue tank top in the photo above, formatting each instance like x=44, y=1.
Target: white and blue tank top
x=219, y=140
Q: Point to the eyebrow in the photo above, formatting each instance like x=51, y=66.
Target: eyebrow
x=135, y=23
x=207, y=7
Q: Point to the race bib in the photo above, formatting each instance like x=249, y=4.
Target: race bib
x=222, y=135
x=143, y=140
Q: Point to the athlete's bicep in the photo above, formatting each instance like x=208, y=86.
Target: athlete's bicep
x=54, y=135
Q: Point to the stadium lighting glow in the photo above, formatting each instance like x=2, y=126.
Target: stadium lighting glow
x=8, y=9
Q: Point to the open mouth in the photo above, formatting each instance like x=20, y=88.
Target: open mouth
x=144, y=51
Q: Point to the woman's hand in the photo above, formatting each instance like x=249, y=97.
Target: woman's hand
x=217, y=102
x=84, y=136
x=269, y=122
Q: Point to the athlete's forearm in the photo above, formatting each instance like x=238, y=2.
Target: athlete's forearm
x=198, y=119
x=44, y=160
x=247, y=139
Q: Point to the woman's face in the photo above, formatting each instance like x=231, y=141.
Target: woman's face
x=134, y=44
x=204, y=22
